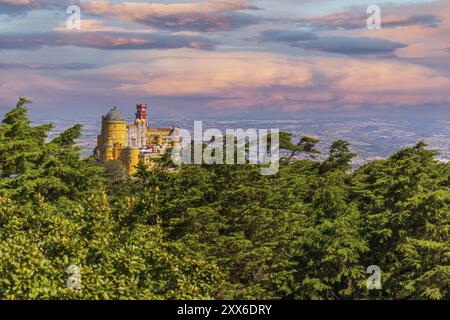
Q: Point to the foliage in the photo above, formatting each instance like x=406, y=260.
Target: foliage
x=218, y=231
x=304, y=145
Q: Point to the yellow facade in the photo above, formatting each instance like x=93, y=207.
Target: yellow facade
x=131, y=159
x=113, y=137
x=160, y=136
x=116, y=133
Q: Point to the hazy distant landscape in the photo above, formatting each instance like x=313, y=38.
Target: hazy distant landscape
x=371, y=138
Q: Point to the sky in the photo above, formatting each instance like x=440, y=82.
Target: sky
x=227, y=58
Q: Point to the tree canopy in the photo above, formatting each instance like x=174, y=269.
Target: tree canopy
x=218, y=231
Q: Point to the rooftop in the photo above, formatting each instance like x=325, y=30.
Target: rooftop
x=114, y=115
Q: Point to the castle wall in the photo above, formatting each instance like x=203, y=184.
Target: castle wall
x=137, y=134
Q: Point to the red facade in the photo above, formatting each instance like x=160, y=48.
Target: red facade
x=141, y=111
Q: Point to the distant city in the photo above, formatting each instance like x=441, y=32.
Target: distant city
x=371, y=138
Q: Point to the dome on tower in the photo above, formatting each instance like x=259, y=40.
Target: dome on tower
x=114, y=115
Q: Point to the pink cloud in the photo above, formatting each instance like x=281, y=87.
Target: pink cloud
x=262, y=80
x=37, y=86
x=18, y=2
x=422, y=41
x=242, y=80
x=208, y=16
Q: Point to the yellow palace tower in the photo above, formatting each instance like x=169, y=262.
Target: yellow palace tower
x=113, y=137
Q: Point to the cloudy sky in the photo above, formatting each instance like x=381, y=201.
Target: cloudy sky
x=232, y=58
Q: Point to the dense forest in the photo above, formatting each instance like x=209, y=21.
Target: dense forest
x=218, y=231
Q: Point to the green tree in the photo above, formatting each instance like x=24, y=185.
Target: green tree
x=405, y=203
x=304, y=145
x=339, y=157
x=330, y=246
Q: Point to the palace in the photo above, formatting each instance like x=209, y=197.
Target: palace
x=132, y=143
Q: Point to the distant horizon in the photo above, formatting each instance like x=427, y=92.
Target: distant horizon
x=416, y=113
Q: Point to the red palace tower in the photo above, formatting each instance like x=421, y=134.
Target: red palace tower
x=141, y=112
